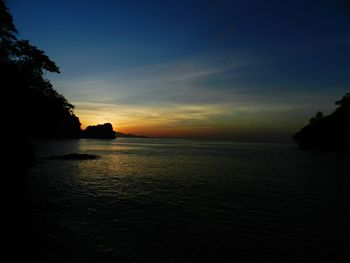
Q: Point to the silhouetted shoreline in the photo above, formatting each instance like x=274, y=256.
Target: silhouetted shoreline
x=328, y=133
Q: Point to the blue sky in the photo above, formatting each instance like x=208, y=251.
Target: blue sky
x=250, y=70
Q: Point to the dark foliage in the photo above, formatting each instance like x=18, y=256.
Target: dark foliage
x=330, y=132
x=101, y=131
x=32, y=107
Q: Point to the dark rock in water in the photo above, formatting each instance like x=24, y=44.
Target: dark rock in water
x=100, y=131
x=331, y=132
x=74, y=156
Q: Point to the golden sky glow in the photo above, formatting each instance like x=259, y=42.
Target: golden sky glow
x=186, y=72
x=197, y=121
x=193, y=97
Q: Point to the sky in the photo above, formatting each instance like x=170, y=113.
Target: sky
x=242, y=70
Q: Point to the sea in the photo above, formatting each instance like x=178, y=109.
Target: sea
x=181, y=200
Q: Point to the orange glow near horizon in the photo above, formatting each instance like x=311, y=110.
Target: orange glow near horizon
x=178, y=121
x=186, y=121
x=159, y=132
x=218, y=131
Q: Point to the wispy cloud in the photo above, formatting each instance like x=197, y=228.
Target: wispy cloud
x=147, y=84
x=186, y=93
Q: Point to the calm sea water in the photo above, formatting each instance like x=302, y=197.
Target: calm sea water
x=188, y=201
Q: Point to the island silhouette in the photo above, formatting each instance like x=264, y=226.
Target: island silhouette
x=100, y=131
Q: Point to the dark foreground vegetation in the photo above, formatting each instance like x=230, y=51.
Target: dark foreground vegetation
x=331, y=132
x=37, y=110
x=31, y=108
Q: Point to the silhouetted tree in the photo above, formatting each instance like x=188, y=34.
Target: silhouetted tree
x=330, y=132
x=317, y=118
x=37, y=110
x=345, y=101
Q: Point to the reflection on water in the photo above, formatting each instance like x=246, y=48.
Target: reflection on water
x=183, y=200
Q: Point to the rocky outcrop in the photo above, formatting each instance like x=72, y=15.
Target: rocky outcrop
x=100, y=131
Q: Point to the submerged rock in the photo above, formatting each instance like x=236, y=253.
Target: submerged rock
x=74, y=156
